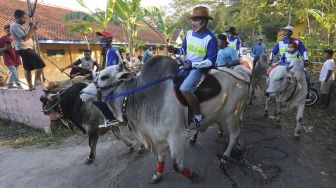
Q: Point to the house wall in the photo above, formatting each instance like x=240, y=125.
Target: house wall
x=298, y=31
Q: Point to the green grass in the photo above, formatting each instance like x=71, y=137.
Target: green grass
x=19, y=135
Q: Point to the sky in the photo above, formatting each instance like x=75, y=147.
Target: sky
x=72, y=4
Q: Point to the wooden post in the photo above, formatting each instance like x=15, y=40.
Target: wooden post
x=69, y=51
x=31, y=21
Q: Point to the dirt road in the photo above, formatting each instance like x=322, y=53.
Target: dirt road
x=271, y=158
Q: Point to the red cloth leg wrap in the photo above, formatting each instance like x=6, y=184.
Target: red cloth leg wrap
x=185, y=172
x=159, y=167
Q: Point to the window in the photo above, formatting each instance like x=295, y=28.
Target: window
x=55, y=52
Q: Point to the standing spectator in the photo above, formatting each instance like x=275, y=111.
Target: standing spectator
x=86, y=63
x=327, y=76
x=24, y=45
x=257, y=50
x=10, y=57
x=112, y=54
x=234, y=40
x=148, y=54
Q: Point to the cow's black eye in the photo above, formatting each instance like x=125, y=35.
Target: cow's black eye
x=104, y=77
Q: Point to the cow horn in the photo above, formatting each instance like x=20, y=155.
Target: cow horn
x=121, y=67
x=43, y=99
x=289, y=68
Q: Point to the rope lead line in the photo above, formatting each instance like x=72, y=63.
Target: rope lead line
x=111, y=96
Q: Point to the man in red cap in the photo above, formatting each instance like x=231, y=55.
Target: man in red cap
x=110, y=54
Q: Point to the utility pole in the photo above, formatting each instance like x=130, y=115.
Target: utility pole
x=31, y=11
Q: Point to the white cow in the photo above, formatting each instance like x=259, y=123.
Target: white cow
x=157, y=117
x=289, y=86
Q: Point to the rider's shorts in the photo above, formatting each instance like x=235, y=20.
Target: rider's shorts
x=325, y=86
x=190, y=84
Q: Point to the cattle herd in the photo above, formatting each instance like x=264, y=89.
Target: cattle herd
x=158, y=119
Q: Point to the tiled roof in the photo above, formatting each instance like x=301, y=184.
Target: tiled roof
x=51, y=26
x=176, y=34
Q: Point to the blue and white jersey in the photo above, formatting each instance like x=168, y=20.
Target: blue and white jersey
x=112, y=57
x=200, y=49
x=257, y=50
x=235, y=43
x=282, y=46
x=287, y=58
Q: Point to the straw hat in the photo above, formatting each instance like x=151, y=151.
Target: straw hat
x=201, y=12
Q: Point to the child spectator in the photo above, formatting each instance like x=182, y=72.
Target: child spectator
x=10, y=57
x=327, y=76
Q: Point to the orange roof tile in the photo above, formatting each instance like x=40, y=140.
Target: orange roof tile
x=51, y=26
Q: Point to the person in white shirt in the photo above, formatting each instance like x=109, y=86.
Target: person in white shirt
x=327, y=77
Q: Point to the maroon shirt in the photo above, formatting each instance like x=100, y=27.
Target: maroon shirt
x=10, y=56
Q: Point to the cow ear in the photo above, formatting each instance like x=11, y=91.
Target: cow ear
x=43, y=99
x=126, y=76
x=290, y=79
x=289, y=68
x=121, y=67
x=52, y=97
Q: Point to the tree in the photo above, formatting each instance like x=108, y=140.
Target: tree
x=129, y=14
x=163, y=27
x=83, y=28
x=99, y=18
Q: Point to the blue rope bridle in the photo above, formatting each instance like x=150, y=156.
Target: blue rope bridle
x=112, y=96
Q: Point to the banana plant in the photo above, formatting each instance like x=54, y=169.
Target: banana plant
x=162, y=27
x=326, y=20
x=83, y=28
x=100, y=18
x=128, y=13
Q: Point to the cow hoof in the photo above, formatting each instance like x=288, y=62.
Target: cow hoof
x=278, y=122
x=131, y=149
x=89, y=161
x=192, y=141
x=194, y=178
x=156, y=178
x=266, y=114
x=220, y=135
x=142, y=149
x=297, y=135
x=223, y=161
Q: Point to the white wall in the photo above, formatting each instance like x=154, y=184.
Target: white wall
x=23, y=106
